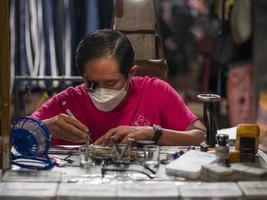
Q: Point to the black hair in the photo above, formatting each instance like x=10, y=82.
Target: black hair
x=105, y=43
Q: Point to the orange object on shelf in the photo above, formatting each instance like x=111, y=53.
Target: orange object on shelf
x=247, y=141
x=247, y=131
x=234, y=156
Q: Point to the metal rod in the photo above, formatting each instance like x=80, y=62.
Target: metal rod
x=54, y=78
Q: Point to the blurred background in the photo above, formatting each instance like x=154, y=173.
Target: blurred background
x=211, y=46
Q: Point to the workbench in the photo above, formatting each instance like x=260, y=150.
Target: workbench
x=73, y=182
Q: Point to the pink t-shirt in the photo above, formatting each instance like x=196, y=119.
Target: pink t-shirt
x=149, y=101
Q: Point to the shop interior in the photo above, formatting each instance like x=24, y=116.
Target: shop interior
x=212, y=52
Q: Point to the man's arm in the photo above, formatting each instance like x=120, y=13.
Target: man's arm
x=61, y=126
x=193, y=135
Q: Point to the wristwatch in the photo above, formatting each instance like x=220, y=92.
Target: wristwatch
x=158, y=132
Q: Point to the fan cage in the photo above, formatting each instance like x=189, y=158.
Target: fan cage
x=36, y=132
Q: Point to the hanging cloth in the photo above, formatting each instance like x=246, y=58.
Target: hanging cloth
x=67, y=39
x=50, y=53
x=240, y=21
x=92, y=17
x=12, y=26
x=40, y=40
x=239, y=93
x=34, y=42
x=23, y=66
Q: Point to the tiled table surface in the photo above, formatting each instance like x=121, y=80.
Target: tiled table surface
x=73, y=182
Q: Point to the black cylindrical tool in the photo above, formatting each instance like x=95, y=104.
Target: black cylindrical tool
x=211, y=116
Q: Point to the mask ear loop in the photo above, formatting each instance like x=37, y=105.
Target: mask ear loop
x=127, y=84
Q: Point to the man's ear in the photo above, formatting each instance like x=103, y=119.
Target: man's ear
x=133, y=70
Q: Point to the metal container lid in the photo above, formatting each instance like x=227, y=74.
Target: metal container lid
x=209, y=97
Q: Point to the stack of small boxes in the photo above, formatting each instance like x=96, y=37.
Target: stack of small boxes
x=244, y=172
x=237, y=172
x=245, y=150
x=216, y=172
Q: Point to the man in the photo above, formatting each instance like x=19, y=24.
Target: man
x=112, y=102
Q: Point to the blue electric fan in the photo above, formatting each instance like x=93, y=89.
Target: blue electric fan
x=30, y=140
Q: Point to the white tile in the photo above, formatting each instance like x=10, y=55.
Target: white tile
x=254, y=189
x=31, y=176
x=146, y=190
x=27, y=190
x=201, y=190
x=71, y=191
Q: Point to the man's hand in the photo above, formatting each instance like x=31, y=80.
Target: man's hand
x=67, y=128
x=122, y=133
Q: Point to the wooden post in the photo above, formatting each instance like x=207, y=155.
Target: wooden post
x=4, y=86
x=134, y=17
x=138, y=20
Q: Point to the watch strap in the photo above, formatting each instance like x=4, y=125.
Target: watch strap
x=158, y=132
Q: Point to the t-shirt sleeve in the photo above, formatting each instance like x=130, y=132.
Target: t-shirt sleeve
x=49, y=109
x=175, y=113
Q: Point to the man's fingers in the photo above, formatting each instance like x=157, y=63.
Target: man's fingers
x=64, y=127
x=104, y=139
x=125, y=139
x=76, y=123
x=118, y=133
x=61, y=134
x=98, y=141
x=72, y=130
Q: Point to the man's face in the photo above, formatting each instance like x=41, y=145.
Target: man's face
x=105, y=73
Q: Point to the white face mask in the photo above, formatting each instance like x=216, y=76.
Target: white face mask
x=107, y=99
